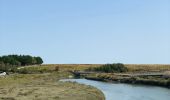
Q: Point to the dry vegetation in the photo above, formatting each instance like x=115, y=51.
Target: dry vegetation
x=131, y=67
x=41, y=82
x=44, y=84
x=71, y=67
x=137, y=74
x=147, y=67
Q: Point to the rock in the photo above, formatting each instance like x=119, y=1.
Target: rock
x=3, y=74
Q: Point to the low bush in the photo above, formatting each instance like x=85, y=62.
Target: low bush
x=110, y=68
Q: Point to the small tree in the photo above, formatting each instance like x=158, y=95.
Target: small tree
x=39, y=60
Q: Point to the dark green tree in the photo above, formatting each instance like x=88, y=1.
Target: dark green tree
x=8, y=61
x=39, y=60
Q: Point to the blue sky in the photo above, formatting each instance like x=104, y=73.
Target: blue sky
x=87, y=31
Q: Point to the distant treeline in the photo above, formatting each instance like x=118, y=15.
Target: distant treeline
x=19, y=60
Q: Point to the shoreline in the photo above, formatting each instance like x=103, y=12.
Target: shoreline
x=165, y=84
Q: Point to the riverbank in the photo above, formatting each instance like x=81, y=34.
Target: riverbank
x=144, y=80
x=146, y=74
x=42, y=83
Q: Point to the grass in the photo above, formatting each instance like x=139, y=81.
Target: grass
x=43, y=84
x=147, y=80
x=131, y=67
x=147, y=67
x=50, y=91
x=72, y=67
x=16, y=79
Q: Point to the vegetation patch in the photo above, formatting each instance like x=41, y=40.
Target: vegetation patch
x=10, y=62
x=110, y=68
x=45, y=86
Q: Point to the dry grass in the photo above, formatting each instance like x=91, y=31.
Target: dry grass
x=50, y=91
x=71, y=67
x=45, y=86
x=131, y=67
x=147, y=67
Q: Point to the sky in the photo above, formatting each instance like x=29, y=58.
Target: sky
x=87, y=31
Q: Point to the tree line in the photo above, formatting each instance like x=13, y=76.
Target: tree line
x=19, y=60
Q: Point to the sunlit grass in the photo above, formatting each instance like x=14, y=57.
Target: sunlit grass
x=147, y=67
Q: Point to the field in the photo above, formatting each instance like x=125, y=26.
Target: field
x=147, y=67
x=131, y=67
x=43, y=84
x=72, y=67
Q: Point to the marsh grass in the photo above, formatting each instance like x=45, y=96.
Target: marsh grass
x=130, y=67
x=45, y=86
x=147, y=67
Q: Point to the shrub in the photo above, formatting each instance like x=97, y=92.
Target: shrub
x=110, y=68
x=23, y=71
x=56, y=68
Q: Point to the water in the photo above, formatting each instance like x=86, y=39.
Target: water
x=113, y=91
